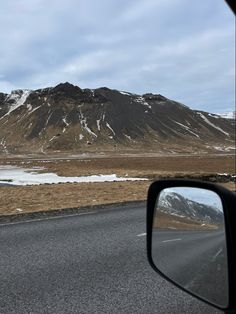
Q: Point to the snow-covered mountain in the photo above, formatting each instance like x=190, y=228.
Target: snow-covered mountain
x=68, y=118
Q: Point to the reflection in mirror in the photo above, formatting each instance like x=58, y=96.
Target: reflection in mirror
x=189, y=242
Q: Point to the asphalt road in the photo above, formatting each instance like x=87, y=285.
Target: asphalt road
x=90, y=263
x=197, y=260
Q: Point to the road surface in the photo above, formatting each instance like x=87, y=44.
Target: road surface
x=90, y=263
x=196, y=260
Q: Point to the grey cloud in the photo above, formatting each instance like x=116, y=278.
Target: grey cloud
x=178, y=48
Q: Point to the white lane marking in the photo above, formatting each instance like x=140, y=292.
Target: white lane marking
x=141, y=234
x=218, y=253
x=48, y=218
x=171, y=240
x=81, y=214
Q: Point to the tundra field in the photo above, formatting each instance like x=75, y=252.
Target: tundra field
x=46, y=197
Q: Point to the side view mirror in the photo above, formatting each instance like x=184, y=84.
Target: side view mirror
x=191, y=238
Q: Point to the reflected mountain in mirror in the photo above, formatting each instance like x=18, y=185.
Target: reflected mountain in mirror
x=190, y=208
x=188, y=241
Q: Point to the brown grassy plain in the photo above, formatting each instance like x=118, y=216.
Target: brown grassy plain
x=69, y=195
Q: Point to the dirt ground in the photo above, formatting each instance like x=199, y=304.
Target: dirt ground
x=57, y=196
x=167, y=221
x=142, y=166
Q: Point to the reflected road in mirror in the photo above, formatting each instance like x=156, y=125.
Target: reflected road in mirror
x=189, y=244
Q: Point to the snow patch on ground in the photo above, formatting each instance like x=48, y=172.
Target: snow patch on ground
x=64, y=120
x=92, y=91
x=20, y=176
x=48, y=119
x=142, y=101
x=187, y=128
x=18, y=99
x=110, y=128
x=211, y=124
x=34, y=109
x=29, y=107
x=89, y=130
x=3, y=144
x=125, y=93
x=51, y=139
x=98, y=124
x=227, y=115
x=213, y=115
x=224, y=148
x=127, y=136
x=83, y=122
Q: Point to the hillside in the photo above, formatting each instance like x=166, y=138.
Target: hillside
x=67, y=118
x=176, y=204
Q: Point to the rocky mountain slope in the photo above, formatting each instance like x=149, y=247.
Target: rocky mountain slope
x=68, y=118
x=175, y=204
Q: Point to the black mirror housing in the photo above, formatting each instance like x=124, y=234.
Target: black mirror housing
x=228, y=199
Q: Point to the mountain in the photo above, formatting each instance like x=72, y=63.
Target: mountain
x=68, y=118
x=175, y=204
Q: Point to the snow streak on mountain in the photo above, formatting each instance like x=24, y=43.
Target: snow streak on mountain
x=68, y=118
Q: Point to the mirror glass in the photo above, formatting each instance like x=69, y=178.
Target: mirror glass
x=189, y=242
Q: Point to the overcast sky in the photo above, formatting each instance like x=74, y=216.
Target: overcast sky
x=181, y=49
